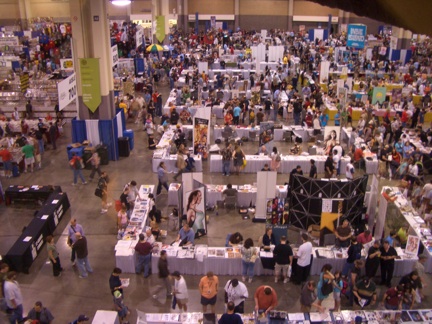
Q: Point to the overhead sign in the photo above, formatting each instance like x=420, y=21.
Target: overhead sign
x=67, y=91
x=24, y=82
x=114, y=55
x=160, y=28
x=67, y=64
x=356, y=36
x=90, y=83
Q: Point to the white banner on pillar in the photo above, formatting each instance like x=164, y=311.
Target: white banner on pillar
x=139, y=36
x=324, y=71
x=114, y=55
x=67, y=91
x=266, y=181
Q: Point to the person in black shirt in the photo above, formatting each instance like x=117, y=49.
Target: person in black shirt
x=329, y=168
x=115, y=281
x=283, y=256
x=354, y=253
x=373, y=259
x=268, y=238
x=388, y=256
x=411, y=279
x=29, y=109
x=125, y=201
x=313, y=173
x=164, y=273
x=230, y=317
x=266, y=168
x=297, y=170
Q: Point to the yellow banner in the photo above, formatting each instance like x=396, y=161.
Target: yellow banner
x=90, y=83
x=160, y=28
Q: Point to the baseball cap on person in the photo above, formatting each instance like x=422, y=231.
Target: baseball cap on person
x=82, y=318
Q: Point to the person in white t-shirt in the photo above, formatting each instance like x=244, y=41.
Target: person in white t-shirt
x=336, y=161
x=303, y=257
x=180, y=291
x=349, y=170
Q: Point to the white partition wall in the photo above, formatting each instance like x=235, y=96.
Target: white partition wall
x=276, y=53
x=203, y=67
x=266, y=182
x=372, y=202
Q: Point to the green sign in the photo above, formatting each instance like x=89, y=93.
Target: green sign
x=379, y=95
x=90, y=83
x=160, y=28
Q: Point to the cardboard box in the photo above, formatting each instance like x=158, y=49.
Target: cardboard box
x=314, y=230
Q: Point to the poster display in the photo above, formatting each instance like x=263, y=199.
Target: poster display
x=413, y=244
x=194, y=210
x=379, y=95
x=356, y=35
x=90, y=83
x=201, y=135
x=114, y=55
x=331, y=137
x=67, y=91
x=67, y=64
x=139, y=36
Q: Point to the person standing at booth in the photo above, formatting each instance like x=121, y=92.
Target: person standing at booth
x=303, y=257
x=388, y=256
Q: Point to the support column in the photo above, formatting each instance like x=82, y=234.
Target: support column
x=186, y=16
x=91, y=39
x=154, y=13
x=340, y=20
x=164, y=11
x=346, y=17
x=290, y=14
x=236, y=14
x=25, y=12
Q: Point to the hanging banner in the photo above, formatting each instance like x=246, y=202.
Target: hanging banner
x=9, y=41
x=356, y=36
x=393, y=42
x=24, y=82
x=213, y=21
x=139, y=37
x=67, y=91
x=201, y=135
x=90, y=83
x=160, y=28
x=114, y=55
x=379, y=95
x=66, y=64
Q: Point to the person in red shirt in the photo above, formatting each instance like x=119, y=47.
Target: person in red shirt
x=364, y=237
x=359, y=157
x=404, y=117
x=265, y=299
x=6, y=157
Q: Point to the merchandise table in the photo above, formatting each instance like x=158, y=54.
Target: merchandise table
x=27, y=247
x=35, y=192
x=241, y=131
x=245, y=196
x=106, y=317
x=170, y=162
x=288, y=162
x=124, y=252
x=416, y=223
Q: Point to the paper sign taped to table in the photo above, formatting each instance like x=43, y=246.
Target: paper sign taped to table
x=45, y=217
x=55, y=201
x=27, y=239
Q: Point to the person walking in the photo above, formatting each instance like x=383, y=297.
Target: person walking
x=95, y=162
x=29, y=156
x=81, y=250
x=115, y=281
x=275, y=159
x=227, y=155
x=164, y=272
x=74, y=228
x=236, y=292
x=249, y=256
x=308, y=297
x=102, y=186
x=180, y=165
x=76, y=163
x=13, y=297
x=52, y=132
x=162, y=178
x=53, y=255
x=180, y=291
x=144, y=250
x=283, y=256
x=238, y=157
x=208, y=287
x=303, y=257
x=325, y=280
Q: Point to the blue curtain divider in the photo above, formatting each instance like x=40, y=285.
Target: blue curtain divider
x=123, y=118
x=79, y=131
x=107, y=137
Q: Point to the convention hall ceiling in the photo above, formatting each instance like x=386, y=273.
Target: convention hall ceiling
x=413, y=15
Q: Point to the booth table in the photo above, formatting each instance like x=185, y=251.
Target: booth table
x=254, y=163
x=27, y=247
x=35, y=193
x=241, y=131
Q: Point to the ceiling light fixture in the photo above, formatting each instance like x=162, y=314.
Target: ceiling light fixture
x=121, y=2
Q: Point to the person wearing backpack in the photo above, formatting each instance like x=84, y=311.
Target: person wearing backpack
x=354, y=253
x=76, y=164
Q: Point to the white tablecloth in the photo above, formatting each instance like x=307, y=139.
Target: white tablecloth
x=106, y=317
x=278, y=132
x=254, y=163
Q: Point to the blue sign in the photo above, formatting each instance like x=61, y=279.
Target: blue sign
x=356, y=36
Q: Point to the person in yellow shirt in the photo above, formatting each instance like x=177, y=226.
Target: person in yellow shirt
x=123, y=105
x=208, y=287
x=402, y=234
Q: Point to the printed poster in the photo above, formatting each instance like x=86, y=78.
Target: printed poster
x=200, y=136
x=194, y=210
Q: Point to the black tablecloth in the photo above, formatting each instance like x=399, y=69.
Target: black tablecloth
x=28, y=246
x=16, y=193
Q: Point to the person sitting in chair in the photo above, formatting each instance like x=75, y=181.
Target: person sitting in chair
x=343, y=234
x=230, y=191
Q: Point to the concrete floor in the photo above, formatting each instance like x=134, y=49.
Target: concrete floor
x=68, y=296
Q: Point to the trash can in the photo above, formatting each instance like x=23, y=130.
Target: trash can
x=123, y=144
x=102, y=150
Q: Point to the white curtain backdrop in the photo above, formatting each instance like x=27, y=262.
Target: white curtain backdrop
x=92, y=127
x=318, y=33
x=275, y=53
x=119, y=125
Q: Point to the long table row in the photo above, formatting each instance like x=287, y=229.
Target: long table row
x=241, y=131
x=288, y=162
x=28, y=246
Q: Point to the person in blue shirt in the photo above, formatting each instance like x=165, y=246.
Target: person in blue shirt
x=230, y=317
x=337, y=288
x=236, y=114
x=390, y=238
x=324, y=118
x=337, y=119
x=186, y=235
